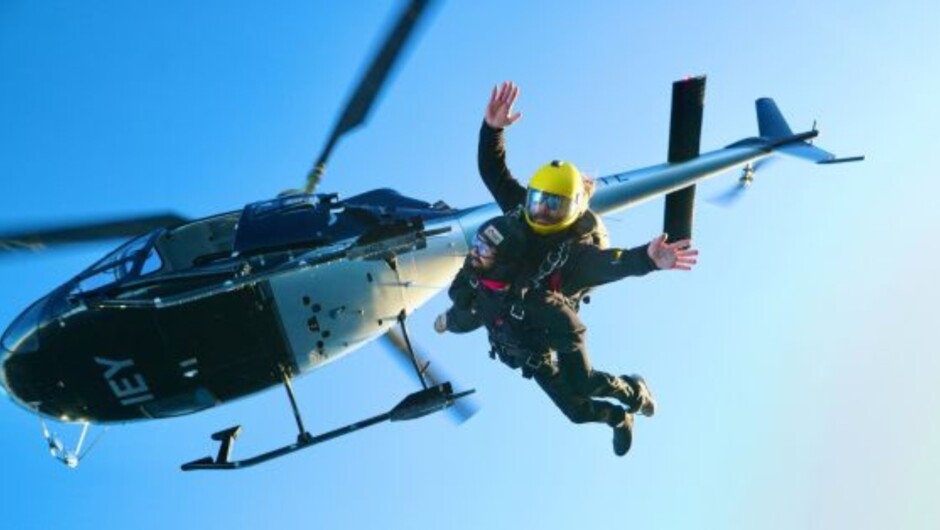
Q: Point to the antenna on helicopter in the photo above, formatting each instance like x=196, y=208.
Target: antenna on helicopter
x=359, y=105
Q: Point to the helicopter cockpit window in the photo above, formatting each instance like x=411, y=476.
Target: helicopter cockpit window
x=134, y=259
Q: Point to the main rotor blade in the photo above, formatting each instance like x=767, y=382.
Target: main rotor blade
x=359, y=105
x=462, y=409
x=36, y=239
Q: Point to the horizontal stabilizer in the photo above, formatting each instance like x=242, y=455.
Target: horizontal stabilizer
x=843, y=159
x=807, y=152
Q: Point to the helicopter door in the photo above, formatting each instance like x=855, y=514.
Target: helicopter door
x=228, y=343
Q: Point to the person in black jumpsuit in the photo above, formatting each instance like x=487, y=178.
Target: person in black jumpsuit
x=534, y=334
x=566, y=252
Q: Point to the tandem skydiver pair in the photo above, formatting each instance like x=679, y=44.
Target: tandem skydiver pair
x=528, y=271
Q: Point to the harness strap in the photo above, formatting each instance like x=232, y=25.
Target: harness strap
x=514, y=356
x=552, y=262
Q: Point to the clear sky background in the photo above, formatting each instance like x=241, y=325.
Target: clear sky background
x=796, y=367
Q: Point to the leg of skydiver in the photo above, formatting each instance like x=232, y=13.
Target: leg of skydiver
x=581, y=409
x=566, y=335
x=631, y=390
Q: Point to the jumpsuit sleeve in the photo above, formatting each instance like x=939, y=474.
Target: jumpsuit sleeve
x=491, y=160
x=462, y=317
x=461, y=293
x=595, y=266
x=463, y=320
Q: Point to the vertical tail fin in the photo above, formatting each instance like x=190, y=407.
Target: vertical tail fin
x=770, y=121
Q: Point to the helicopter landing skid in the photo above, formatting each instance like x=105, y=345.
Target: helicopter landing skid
x=415, y=405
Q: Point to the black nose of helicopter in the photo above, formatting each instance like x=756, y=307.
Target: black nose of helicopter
x=22, y=337
x=24, y=370
x=4, y=355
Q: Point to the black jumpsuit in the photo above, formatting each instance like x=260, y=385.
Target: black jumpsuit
x=568, y=262
x=527, y=344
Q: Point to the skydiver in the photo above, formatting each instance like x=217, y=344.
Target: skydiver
x=524, y=333
x=556, y=210
x=566, y=252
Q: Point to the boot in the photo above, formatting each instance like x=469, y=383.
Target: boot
x=604, y=385
x=643, y=401
x=623, y=435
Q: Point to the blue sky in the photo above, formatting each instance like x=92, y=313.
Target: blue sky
x=795, y=367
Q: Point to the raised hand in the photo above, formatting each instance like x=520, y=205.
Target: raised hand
x=678, y=255
x=499, y=113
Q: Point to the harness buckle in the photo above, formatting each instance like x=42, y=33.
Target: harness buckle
x=539, y=364
x=534, y=362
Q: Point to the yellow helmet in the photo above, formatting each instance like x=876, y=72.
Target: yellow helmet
x=556, y=197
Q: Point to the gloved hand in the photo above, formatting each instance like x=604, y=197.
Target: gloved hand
x=440, y=323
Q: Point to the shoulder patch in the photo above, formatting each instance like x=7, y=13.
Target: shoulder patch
x=493, y=235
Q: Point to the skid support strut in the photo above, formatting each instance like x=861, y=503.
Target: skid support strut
x=302, y=433
x=420, y=370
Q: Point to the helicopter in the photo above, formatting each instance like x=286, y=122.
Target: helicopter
x=191, y=314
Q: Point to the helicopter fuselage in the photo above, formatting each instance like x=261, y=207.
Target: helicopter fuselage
x=198, y=315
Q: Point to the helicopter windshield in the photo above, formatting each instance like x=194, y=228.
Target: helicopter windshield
x=23, y=334
x=138, y=257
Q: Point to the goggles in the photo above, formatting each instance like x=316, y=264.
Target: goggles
x=482, y=249
x=547, y=208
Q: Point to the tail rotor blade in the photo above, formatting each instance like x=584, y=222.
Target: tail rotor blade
x=730, y=197
x=733, y=195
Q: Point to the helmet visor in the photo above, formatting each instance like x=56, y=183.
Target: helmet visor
x=547, y=208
